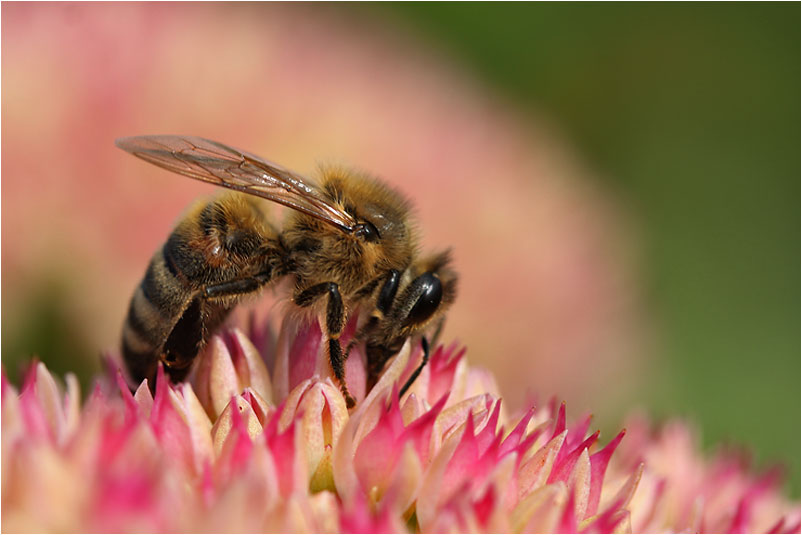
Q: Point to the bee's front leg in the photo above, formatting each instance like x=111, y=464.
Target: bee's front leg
x=424, y=343
x=335, y=323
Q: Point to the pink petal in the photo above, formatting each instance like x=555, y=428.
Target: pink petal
x=342, y=459
x=6, y=388
x=514, y=438
x=144, y=398
x=568, y=522
x=263, y=338
x=258, y=404
x=538, y=511
x=452, y=418
x=223, y=381
x=359, y=517
x=132, y=410
x=563, y=468
x=200, y=428
x=598, y=466
x=443, y=365
x=237, y=444
x=786, y=525
x=282, y=445
x=487, y=435
x=323, y=414
x=559, y=423
x=291, y=404
x=534, y=473
x=362, y=421
x=356, y=376
x=627, y=490
x=419, y=432
x=306, y=351
x=484, y=507
x=579, y=484
x=50, y=400
x=169, y=425
x=617, y=521
x=29, y=379
x=238, y=412
x=431, y=495
x=399, y=492
x=577, y=432
x=248, y=363
x=13, y=425
x=121, y=501
x=474, y=381
x=33, y=416
x=648, y=511
x=741, y=518
x=464, y=457
x=378, y=452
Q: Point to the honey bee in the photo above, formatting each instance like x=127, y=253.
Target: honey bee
x=348, y=244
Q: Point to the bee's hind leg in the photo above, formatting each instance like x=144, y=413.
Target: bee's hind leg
x=335, y=323
x=237, y=286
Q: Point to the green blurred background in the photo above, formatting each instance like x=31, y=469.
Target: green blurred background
x=690, y=113
x=687, y=113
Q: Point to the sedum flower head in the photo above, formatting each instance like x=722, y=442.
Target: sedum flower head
x=241, y=449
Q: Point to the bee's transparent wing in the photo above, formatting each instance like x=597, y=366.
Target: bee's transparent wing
x=232, y=168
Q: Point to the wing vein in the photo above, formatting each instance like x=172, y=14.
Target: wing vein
x=216, y=163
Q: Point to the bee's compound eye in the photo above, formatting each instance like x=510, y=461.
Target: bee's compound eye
x=430, y=292
x=368, y=232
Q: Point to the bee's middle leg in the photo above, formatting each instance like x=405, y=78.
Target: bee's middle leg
x=335, y=323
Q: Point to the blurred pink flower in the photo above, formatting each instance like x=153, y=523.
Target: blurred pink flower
x=537, y=245
x=682, y=490
x=226, y=451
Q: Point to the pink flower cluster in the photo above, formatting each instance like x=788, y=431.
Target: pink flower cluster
x=236, y=450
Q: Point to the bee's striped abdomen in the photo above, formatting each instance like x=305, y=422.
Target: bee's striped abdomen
x=156, y=307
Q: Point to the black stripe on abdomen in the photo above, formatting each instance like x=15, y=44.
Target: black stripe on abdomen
x=154, y=310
